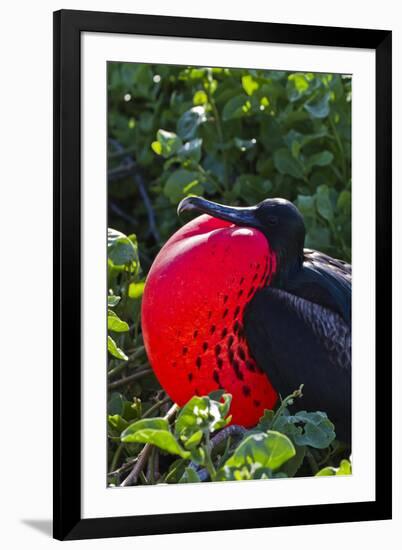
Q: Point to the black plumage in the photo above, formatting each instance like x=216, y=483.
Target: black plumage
x=298, y=328
x=303, y=336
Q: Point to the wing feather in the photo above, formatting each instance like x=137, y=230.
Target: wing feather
x=296, y=341
x=324, y=281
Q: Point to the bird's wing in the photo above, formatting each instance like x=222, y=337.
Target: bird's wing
x=324, y=281
x=295, y=342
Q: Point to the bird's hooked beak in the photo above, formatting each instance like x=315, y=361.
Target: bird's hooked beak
x=238, y=215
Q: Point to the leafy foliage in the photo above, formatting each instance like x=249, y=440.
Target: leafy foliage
x=237, y=136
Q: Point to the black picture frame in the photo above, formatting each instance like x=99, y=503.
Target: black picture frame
x=68, y=27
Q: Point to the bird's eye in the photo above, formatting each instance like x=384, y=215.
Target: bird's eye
x=272, y=220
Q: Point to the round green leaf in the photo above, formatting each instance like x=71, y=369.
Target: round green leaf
x=188, y=123
x=267, y=450
x=285, y=163
x=319, y=108
x=180, y=183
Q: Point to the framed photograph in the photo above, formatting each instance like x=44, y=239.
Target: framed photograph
x=214, y=182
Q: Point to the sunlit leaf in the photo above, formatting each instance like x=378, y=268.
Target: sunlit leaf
x=114, y=322
x=167, y=144
x=154, y=431
x=345, y=469
x=114, y=350
x=249, y=84
x=200, y=98
x=257, y=456
x=136, y=290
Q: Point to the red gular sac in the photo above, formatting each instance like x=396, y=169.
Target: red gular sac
x=192, y=314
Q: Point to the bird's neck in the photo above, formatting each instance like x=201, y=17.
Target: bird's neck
x=288, y=266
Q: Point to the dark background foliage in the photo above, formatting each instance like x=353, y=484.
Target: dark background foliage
x=234, y=135
x=237, y=136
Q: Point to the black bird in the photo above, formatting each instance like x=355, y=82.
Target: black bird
x=299, y=327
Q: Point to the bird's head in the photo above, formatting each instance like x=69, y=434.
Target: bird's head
x=278, y=219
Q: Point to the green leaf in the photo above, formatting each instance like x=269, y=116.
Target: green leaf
x=257, y=456
x=117, y=422
x=167, y=144
x=296, y=140
x=216, y=395
x=115, y=404
x=129, y=410
x=320, y=159
x=115, y=323
x=136, y=290
x=176, y=471
x=324, y=203
x=306, y=205
x=249, y=84
x=345, y=469
x=236, y=107
x=327, y=471
x=200, y=98
x=344, y=203
x=156, y=147
x=318, y=108
x=114, y=350
x=147, y=424
x=202, y=413
x=189, y=476
x=297, y=86
x=292, y=466
x=188, y=123
x=194, y=440
x=177, y=185
x=156, y=432
x=122, y=250
x=143, y=79
x=198, y=455
x=264, y=424
x=285, y=163
x=318, y=238
x=191, y=150
x=307, y=428
x=252, y=189
x=113, y=300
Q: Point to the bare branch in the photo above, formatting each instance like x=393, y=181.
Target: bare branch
x=129, y=379
x=129, y=166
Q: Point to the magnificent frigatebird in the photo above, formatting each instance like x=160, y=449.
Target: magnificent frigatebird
x=251, y=311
